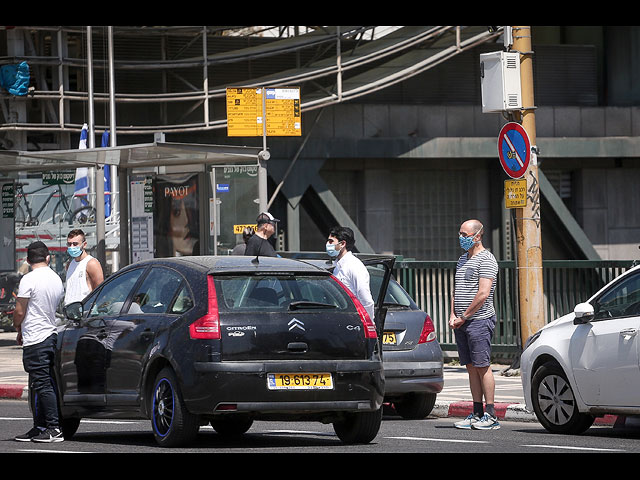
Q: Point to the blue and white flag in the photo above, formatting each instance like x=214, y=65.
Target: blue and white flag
x=107, y=178
x=82, y=179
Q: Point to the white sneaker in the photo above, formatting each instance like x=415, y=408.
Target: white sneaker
x=467, y=422
x=487, y=422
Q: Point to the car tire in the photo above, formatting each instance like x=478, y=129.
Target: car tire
x=554, y=402
x=172, y=423
x=231, y=426
x=359, y=427
x=415, y=406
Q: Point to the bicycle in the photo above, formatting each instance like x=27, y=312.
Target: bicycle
x=63, y=210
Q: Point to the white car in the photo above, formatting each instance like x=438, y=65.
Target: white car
x=587, y=364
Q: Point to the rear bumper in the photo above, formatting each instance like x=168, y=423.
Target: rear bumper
x=407, y=377
x=224, y=387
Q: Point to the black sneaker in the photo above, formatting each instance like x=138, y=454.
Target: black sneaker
x=50, y=435
x=27, y=437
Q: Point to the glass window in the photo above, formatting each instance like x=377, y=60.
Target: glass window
x=113, y=294
x=622, y=300
x=157, y=291
x=279, y=293
x=396, y=296
x=183, y=302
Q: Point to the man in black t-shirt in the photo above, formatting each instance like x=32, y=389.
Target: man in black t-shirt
x=258, y=244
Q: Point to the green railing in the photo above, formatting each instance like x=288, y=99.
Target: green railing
x=565, y=283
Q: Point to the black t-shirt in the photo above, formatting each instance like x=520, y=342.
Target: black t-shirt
x=258, y=246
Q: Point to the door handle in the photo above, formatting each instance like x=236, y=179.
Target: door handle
x=298, y=347
x=629, y=332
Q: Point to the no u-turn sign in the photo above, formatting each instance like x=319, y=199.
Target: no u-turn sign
x=514, y=149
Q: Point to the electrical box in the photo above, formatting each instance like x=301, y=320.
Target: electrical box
x=500, y=81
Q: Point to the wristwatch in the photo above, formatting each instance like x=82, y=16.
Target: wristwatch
x=464, y=318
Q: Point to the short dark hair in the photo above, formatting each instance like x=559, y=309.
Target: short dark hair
x=75, y=233
x=37, y=252
x=344, y=234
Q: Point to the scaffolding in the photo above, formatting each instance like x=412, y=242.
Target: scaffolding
x=145, y=80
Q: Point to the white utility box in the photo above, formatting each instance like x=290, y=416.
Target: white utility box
x=500, y=81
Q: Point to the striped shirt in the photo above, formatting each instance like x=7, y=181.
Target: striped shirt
x=468, y=274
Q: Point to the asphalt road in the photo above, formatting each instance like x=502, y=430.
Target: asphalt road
x=428, y=436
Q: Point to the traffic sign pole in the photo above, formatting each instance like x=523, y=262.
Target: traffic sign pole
x=528, y=234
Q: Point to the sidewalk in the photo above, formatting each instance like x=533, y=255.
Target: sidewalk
x=453, y=401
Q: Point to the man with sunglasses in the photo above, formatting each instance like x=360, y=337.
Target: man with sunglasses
x=473, y=320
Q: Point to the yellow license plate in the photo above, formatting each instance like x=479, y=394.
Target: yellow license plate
x=299, y=381
x=389, y=338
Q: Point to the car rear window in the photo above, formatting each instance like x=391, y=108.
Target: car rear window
x=278, y=293
x=395, y=293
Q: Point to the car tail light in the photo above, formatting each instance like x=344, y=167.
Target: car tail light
x=208, y=326
x=428, y=331
x=369, y=326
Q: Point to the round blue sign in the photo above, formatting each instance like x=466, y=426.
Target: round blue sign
x=514, y=149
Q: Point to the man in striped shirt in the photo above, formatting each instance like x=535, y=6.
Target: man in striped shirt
x=473, y=319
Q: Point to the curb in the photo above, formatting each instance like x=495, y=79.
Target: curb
x=515, y=412
x=14, y=392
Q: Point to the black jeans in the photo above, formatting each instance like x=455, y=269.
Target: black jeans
x=38, y=363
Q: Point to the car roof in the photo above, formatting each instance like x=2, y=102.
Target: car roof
x=238, y=264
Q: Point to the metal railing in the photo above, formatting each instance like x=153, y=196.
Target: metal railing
x=566, y=283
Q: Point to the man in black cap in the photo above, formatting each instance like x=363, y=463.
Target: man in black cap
x=258, y=244
x=39, y=294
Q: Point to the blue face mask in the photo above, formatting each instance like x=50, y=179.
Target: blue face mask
x=331, y=250
x=466, y=242
x=74, y=251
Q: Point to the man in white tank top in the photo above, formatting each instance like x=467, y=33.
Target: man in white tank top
x=84, y=272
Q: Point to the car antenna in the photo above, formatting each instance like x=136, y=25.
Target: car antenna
x=255, y=261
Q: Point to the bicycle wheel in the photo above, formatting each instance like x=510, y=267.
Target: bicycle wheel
x=83, y=215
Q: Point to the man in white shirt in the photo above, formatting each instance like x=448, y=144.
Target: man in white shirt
x=84, y=272
x=348, y=268
x=39, y=294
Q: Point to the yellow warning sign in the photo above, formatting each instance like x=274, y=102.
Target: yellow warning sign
x=515, y=193
x=245, y=115
x=237, y=229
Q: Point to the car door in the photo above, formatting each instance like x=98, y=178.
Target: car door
x=605, y=351
x=85, y=347
x=132, y=335
x=385, y=265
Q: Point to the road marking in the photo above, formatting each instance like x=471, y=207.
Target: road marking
x=576, y=448
x=33, y=450
x=437, y=439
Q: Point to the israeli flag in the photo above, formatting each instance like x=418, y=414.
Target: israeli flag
x=107, y=178
x=82, y=175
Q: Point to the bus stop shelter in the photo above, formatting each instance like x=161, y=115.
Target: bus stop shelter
x=134, y=162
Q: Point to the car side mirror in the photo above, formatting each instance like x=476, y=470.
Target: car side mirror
x=583, y=312
x=74, y=311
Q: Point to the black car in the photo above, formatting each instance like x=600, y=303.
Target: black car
x=226, y=340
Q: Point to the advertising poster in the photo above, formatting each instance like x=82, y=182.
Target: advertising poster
x=176, y=222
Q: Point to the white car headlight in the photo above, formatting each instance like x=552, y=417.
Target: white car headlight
x=531, y=339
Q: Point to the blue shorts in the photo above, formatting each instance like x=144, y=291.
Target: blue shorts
x=474, y=341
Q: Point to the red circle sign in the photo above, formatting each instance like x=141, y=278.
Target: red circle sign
x=514, y=149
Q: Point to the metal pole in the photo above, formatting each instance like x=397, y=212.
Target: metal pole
x=113, y=199
x=263, y=156
x=528, y=235
x=98, y=171
x=92, y=135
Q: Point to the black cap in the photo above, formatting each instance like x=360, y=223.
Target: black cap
x=266, y=217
